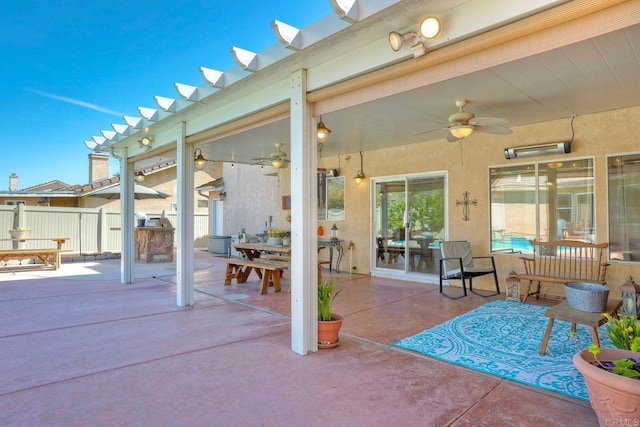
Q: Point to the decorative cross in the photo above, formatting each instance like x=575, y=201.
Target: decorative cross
x=465, y=205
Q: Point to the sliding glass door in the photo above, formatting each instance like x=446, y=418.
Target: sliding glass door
x=409, y=222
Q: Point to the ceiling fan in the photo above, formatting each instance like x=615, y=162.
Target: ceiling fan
x=463, y=123
x=278, y=159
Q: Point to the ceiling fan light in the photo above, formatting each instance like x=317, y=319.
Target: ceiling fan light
x=430, y=27
x=278, y=163
x=461, y=131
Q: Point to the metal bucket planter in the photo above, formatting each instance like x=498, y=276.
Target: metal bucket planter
x=585, y=296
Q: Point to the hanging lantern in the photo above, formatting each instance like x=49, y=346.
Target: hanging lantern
x=630, y=298
x=334, y=232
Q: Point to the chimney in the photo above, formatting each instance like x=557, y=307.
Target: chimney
x=98, y=166
x=13, y=182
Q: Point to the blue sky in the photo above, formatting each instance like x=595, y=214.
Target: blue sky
x=71, y=68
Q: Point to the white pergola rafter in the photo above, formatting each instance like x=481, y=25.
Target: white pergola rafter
x=213, y=77
x=347, y=10
x=167, y=104
x=290, y=37
x=109, y=134
x=122, y=129
x=151, y=114
x=188, y=92
x=244, y=58
x=133, y=122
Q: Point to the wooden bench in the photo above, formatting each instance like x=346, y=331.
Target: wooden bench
x=50, y=256
x=563, y=261
x=270, y=271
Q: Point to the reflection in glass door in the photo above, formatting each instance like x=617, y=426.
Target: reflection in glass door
x=409, y=221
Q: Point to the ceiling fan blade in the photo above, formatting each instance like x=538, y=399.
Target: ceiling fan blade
x=488, y=121
x=430, y=130
x=494, y=129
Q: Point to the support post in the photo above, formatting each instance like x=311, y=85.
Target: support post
x=304, y=241
x=184, y=220
x=127, y=218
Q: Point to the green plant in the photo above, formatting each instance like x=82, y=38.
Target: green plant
x=326, y=295
x=624, y=331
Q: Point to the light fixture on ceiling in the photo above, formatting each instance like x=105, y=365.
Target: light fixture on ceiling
x=538, y=150
x=360, y=175
x=323, y=131
x=429, y=28
x=198, y=159
x=278, y=163
x=396, y=40
x=145, y=141
x=139, y=176
x=461, y=131
x=555, y=165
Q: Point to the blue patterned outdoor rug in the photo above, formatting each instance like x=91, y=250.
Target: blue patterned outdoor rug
x=503, y=338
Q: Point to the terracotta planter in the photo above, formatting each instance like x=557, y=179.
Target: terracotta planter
x=328, y=332
x=615, y=399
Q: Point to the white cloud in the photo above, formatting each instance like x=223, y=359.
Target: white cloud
x=76, y=102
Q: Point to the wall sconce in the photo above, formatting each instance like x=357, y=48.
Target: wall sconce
x=138, y=176
x=429, y=28
x=198, y=160
x=360, y=175
x=222, y=195
x=323, y=132
x=145, y=142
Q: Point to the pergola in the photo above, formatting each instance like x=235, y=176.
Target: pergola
x=534, y=61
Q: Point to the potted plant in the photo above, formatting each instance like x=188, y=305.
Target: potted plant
x=19, y=233
x=329, y=323
x=612, y=376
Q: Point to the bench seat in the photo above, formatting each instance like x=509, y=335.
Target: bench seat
x=270, y=271
x=49, y=256
x=563, y=261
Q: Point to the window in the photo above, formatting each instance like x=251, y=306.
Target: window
x=623, y=174
x=543, y=201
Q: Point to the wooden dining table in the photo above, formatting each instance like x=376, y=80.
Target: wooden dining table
x=254, y=250
x=278, y=252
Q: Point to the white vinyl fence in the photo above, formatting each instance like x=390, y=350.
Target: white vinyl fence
x=90, y=230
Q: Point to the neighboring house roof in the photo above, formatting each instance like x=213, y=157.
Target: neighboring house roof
x=54, y=185
x=56, y=188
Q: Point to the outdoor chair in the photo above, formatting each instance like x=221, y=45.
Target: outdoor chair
x=381, y=248
x=457, y=262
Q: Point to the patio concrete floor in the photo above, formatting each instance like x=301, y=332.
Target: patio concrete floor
x=79, y=348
